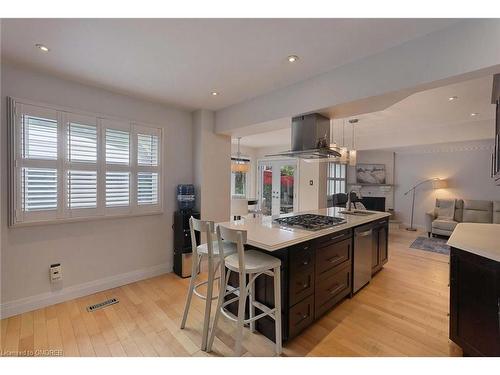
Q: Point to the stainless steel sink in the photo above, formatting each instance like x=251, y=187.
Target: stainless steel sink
x=357, y=212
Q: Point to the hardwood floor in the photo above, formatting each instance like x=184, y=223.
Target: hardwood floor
x=402, y=312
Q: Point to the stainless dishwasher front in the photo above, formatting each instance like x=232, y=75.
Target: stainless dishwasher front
x=363, y=242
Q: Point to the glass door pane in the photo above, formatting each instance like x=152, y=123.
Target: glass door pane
x=287, y=182
x=266, y=187
x=277, y=190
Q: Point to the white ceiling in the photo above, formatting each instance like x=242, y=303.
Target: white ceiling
x=181, y=61
x=412, y=120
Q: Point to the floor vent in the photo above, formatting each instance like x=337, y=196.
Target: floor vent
x=100, y=305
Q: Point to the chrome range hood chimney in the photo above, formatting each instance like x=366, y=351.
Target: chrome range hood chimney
x=310, y=138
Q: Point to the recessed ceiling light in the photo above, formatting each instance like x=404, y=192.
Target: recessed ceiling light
x=215, y=93
x=41, y=47
x=293, y=58
x=452, y=98
x=473, y=114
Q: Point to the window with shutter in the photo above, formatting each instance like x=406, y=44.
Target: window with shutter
x=148, y=171
x=147, y=188
x=117, y=189
x=67, y=166
x=82, y=189
x=117, y=147
x=147, y=147
x=82, y=143
x=39, y=138
x=336, y=178
x=39, y=189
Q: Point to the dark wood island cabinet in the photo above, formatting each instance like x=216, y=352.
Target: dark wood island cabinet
x=315, y=276
x=474, y=303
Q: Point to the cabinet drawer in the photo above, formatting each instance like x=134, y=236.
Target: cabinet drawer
x=301, y=315
x=301, y=285
x=332, y=238
x=331, y=257
x=301, y=258
x=332, y=290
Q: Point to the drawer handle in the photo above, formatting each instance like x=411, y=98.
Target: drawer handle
x=498, y=302
x=333, y=259
x=337, y=237
x=338, y=288
x=305, y=285
x=306, y=247
x=302, y=317
x=305, y=262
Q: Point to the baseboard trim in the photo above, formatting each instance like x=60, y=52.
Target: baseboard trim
x=23, y=305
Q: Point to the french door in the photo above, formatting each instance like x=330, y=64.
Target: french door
x=277, y=188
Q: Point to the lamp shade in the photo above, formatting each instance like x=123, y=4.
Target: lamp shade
x=439, y=184
x=240, y=167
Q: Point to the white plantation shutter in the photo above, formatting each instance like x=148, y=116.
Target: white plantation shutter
x=118, y=165
x=39, y=137
x=37, y=175
x=147, y=188
x=117, y=189
x=39, y=189
x=117, y=147
x=68, y=166
x=147, y=149
x=82, y=189
x=82, y=143
x=148, y=178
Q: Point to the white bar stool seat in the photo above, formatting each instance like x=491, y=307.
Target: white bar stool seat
x=255, y=262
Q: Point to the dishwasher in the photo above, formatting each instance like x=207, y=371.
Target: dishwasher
x=363, y=242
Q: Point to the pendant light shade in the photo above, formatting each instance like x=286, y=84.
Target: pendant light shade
x=352, y=157
x=352, y=153
x=238, y=164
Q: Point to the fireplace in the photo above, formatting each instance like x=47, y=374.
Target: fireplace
x=374, y=203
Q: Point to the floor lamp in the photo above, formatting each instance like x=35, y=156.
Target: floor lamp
x=437, y=183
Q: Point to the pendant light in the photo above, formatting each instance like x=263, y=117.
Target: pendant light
x=352, y=153
x=344, y=154
x=238, y=164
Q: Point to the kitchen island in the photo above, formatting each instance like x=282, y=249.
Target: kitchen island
x=475, y=288
x=319, y=268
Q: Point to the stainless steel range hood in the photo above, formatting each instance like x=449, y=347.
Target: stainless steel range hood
x=310, y=138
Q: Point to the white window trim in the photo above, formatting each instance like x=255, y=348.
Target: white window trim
x=17, y=218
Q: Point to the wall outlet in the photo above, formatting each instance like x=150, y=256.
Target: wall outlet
x=55, y=272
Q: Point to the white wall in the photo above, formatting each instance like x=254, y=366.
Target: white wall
x=212, y=166
x=375, y=157
x=466, y=165
x=94, y=250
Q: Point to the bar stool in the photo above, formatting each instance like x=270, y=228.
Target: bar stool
x=252, y=263
x=210, y=249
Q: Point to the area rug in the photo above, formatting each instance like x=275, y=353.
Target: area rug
x=433, y=244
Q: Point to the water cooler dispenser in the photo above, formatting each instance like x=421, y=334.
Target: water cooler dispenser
x=182, y=237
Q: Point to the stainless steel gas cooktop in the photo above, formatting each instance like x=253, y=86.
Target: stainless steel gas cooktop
x=310, y=221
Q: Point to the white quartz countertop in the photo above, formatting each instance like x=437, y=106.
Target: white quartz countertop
x=265, y=234
x=479, y=239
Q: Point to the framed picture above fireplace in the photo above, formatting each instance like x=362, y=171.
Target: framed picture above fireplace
x=370, y=174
